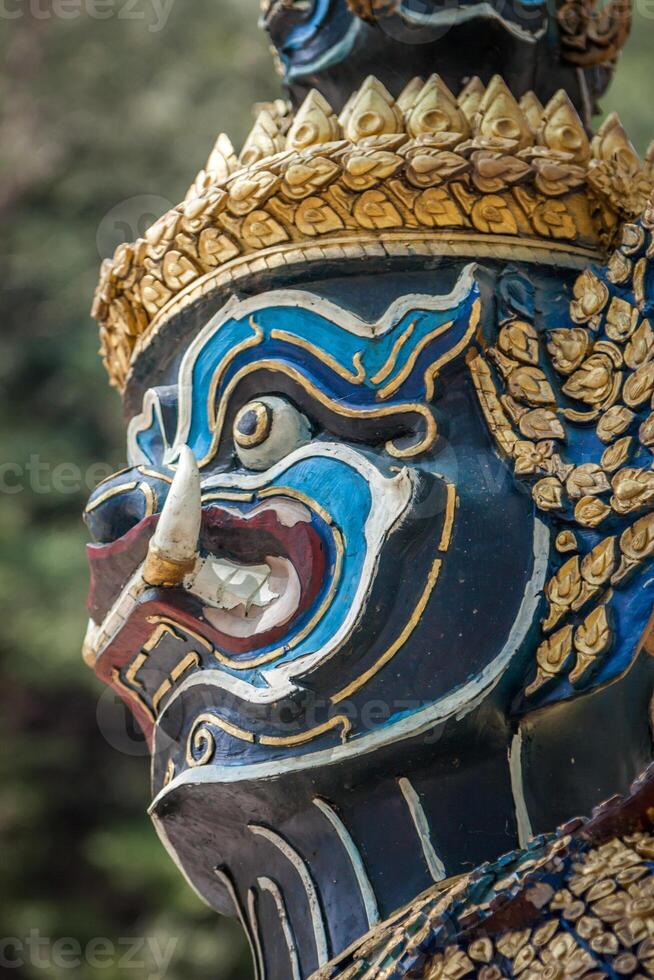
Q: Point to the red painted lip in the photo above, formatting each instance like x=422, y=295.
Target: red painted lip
x=225, y=533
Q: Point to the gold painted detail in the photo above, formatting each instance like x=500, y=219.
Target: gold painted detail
x=201, y=744
x=533, y=390
x=425, y=166
x=417, y=614
x=593, y=33
x=590, y=914
x=218, y=412
x=109, y=494
x=133, y=686
x=249, y=436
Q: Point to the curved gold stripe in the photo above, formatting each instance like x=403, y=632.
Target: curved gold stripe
x=199, y=734
x=399, y=642
x=262, y=428
x=170, y=773
x=146, y=471
x=160, y=693
x=243, y=498
x=409, y=365
x=337, y=721
x=108, y=494
x=225, y=363
x=450, y=512
x=134, y=667
x=151, y=501
x=303, y=498
x=165, y=629
x=320, y=355
x=432, y=371
x=132, y=695
x=389, y=365
x=217, y=420
x=167, y=621
x=191, y=659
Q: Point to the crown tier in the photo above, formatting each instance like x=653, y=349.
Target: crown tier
x=426, y=173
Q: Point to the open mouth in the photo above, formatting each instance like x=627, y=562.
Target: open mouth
x=258, y=576
x=258, y=573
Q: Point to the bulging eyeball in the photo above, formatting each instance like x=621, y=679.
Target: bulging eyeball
x=268, y=429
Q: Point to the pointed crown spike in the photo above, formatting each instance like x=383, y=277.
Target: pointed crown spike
x=563, y=130
x=500, y=115
x=533, y=111
x=222, y=160
x=315, y=123
x=613, y=145
x=470, y=98
x=265, y=140
x=221, y=164
x=436, y=111
x=300, y=191
x=373, y=112
x=407, y=97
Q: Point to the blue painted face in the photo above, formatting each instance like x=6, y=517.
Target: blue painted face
x=350, y=504
x=367, y=471
x=362, y=542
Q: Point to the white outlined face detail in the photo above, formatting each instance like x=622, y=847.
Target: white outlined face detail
x=331, y=508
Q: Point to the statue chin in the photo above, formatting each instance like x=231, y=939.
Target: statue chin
x=377, y=579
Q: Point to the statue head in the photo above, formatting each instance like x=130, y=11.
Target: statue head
x=376, y=582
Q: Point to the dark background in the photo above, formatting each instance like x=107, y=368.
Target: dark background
x=104, y=125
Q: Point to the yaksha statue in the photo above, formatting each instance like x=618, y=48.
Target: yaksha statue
x=377, y=582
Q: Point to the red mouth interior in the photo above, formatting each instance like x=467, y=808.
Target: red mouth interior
x=237, y=537
x=248, y=541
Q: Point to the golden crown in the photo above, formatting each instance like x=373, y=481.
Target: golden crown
x=424, y=174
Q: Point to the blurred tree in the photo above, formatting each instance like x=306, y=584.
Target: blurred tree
x=105, y=123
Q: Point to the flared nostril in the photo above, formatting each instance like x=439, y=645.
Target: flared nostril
x=121, y=502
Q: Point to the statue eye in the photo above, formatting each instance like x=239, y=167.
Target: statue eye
x=268, y=429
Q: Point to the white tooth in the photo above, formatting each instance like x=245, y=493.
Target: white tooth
x=228, y=585
x=178, y=530
x=224, y=573
x=264, y=596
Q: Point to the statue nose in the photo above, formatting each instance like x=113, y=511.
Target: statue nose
x=173, y=550
x=122, y=501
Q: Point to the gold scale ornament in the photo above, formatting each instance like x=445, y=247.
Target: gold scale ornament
x=425, y=174
x=533, y=390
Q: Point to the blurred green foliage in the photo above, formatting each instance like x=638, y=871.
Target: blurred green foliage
x=105, y=121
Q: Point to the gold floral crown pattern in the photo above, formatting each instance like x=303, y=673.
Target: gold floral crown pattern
x=426, y=173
